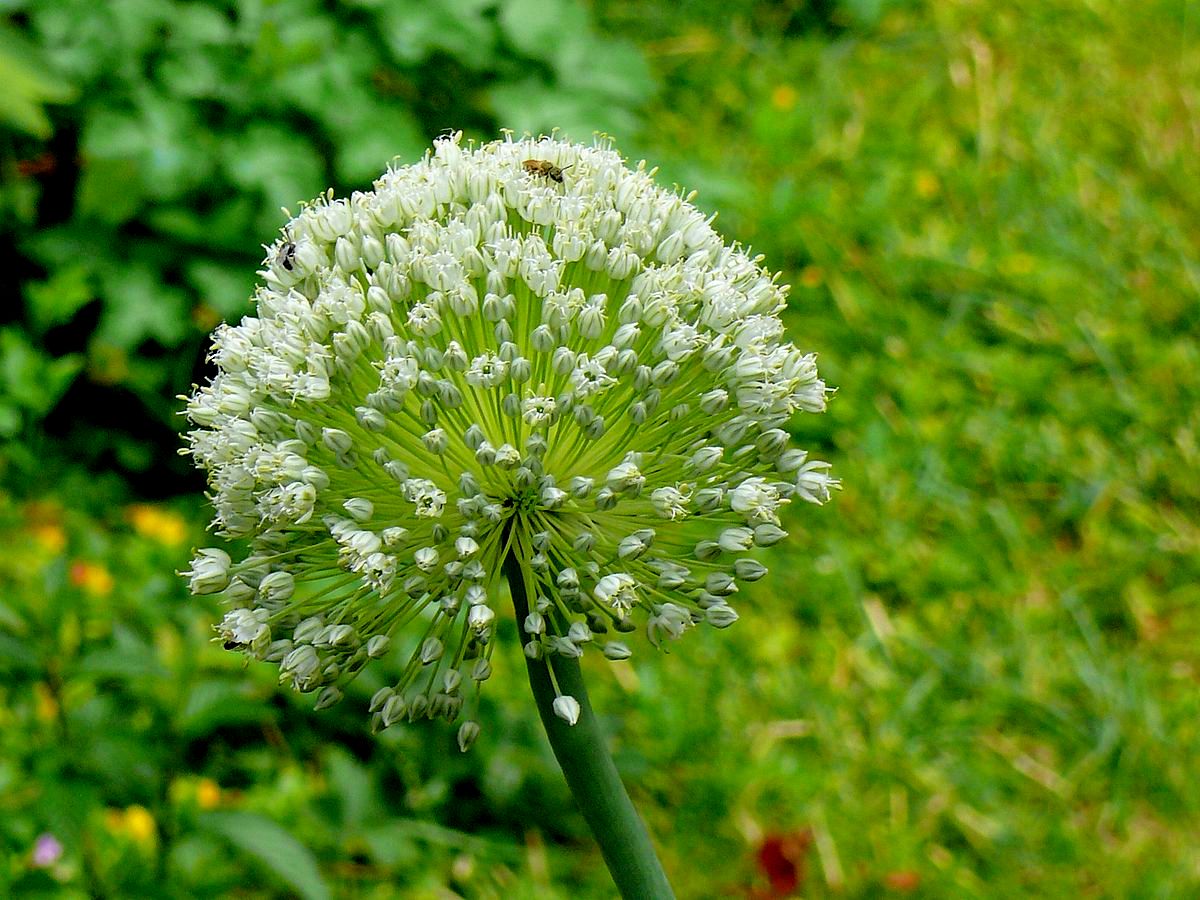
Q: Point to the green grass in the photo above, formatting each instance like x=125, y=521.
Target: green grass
x=990, y=220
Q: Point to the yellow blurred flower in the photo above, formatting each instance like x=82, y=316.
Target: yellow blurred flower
x=50, y=536
x=134, y=822
x=1019, y=264
x=92, y=578
x=812, y=276
x=784, y=97
x=205, y=317
x=140, y=824
x=158, y=524
x=45, y=706
x=44, y=518
x=108, y=364
x=926, y=184
x=208, y=793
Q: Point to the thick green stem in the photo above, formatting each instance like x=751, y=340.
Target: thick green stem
x=585, y=761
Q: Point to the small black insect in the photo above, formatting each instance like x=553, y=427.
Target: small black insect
x=287, y=255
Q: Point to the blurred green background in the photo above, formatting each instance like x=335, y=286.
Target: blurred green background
x=972, y=675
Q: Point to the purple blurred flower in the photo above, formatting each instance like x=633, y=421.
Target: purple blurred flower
x=47, y=850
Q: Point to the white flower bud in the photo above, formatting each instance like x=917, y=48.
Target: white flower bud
x=720, y=584
x=595, y=429
x=626, y=477
x=346, y=255
x=567, y=709
x=616, y=651
x=768, y=535
x=277, y=587
x=636, y=544
x=378, y=646
x=736, y=540
x=338, y=441
x=209, y=572
x=542, y=339
x=359, y=509
x=379, y=698
x=580, y=486
x=431, y=651
x=720, y=615
x=369, y=418
x=329, y=696
x=467, y=733
x=435, y=441
x=481, y=670
x=394, y=709
x=480, y=618
x=705, y=458
x=714, y=401
x=534, y=624
x=749, y=569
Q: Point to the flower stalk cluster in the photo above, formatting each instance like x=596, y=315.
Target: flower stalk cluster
x=475, y=362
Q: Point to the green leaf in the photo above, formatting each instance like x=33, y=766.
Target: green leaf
x=538, y=27
x=280, y=165
x=532, y=106
x=351, y=782
x=615, y=69
x=161, y=136
x=10, y=619
x=273, y=846
x=395, y=840
x=415, y=28
x=138, y=305
x=28, y=86
x=130, y=662
x=58, y=298
x=229, y=227
x=227, y=288
x=376, y=137
x=15, y=654
x=30, y=378
x=863, y=13
x=212, y=704
x=110, y=190
x=10, y=420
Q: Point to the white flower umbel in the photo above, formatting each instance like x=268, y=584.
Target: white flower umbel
x=478, y=360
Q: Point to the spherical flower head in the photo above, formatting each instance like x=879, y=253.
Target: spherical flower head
x=481, y=360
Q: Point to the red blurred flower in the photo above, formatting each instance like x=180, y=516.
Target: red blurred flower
x=781, y=857
x=903, y=880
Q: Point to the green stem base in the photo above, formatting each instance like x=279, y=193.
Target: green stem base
x=583, y=756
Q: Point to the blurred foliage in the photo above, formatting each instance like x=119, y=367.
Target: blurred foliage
x=974, y=675
x=181, y=130
x=150, y=754
x=28, y=86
